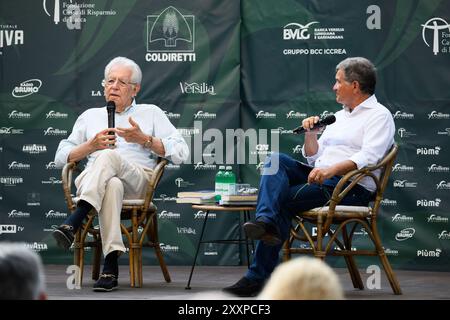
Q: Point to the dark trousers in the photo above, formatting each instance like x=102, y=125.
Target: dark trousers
x=284, y=194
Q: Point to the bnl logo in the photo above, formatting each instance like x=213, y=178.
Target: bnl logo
x=432, y=24
x=170, y=31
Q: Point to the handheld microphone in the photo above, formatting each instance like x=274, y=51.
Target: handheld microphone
x=322, y=123
x=111, y=109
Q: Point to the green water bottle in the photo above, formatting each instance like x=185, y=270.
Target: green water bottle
x=219, y=183
x=230, y=181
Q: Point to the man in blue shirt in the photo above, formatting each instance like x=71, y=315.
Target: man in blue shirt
x=119, y=160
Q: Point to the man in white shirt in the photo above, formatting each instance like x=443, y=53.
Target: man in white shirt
x=120, y=160
x=362, y=134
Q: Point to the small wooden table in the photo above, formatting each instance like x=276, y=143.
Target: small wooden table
x=207, y=208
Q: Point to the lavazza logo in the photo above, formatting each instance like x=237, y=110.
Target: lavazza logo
x=401, y=115
x=309, y=32
x=73, y=14
x=170, y=36
x=27, y=88
x=14, y=114
x=10, y=35
x=197, y=88
x=437, y=32
x=34, y=148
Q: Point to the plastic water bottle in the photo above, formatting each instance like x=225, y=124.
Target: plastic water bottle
x=219, y=183
x=230, y=181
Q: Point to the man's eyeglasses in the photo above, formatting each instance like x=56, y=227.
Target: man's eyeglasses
x=121, y=83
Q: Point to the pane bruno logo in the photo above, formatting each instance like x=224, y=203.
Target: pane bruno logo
x=170, y=36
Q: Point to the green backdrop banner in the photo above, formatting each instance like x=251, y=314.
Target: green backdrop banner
x=235, y=78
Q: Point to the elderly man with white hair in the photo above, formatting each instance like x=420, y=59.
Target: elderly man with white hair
x=119, y=160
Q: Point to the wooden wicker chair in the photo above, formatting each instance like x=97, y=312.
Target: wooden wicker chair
x=140, y=212
x=340, y=217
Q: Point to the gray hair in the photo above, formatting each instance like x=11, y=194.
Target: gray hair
x=305, y=278
x=21, y=272
x=136, y=73
x=361, y=70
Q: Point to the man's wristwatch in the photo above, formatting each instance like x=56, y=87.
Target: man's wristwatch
x=148, y=144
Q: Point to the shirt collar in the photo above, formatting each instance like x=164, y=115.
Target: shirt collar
x=369, y=103
x=133, y=104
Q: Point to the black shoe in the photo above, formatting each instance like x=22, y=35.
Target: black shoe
x=64, y=236
x=245, y=288
x=267, y=232
x=106, y=282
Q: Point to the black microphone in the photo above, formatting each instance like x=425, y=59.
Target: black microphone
x=111, y=109
x=322, y=123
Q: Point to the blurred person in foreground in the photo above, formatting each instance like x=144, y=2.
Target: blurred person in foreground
x=21, y=273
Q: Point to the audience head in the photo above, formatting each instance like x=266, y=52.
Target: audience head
x=21, y=273
x=303, y=279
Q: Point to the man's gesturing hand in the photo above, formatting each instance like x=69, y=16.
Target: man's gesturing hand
x=103, y=140
x=133, y=134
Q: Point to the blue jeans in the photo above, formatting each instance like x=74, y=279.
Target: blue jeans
x=285, y=194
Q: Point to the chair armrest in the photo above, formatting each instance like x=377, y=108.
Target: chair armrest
x=67, y=174
x=357, y=175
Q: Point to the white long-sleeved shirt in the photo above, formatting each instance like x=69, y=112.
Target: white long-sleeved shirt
x=362, y=136
x=150, y=118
